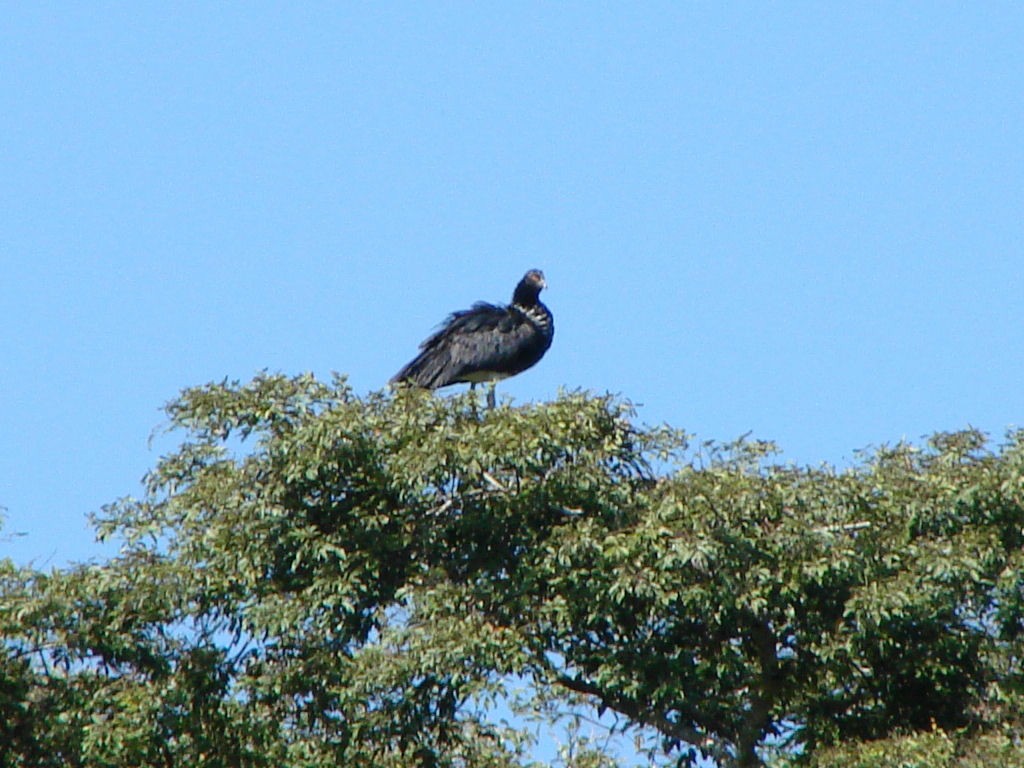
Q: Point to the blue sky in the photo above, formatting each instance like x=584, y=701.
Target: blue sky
x=800, y=220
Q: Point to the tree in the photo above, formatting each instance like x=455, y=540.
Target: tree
x=315, y=578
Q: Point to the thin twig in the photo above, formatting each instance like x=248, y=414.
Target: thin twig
x=844, y=528
x=490, y=479
x=441, y=508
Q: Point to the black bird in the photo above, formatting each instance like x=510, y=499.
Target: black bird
x=485, y=343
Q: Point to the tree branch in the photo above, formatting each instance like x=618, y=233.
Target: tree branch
x=711, y=747
x=843, y=528
x=757, y=720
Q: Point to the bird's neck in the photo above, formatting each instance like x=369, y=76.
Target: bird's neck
x=525, y=296
x=538, y=314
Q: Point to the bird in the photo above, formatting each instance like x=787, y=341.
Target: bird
x=485, y=343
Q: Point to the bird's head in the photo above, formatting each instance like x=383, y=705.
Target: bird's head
x=529, y=288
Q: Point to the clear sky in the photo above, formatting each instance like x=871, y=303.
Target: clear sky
x=802, y=220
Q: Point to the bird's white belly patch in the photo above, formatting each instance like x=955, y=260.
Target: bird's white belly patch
x=478, y=377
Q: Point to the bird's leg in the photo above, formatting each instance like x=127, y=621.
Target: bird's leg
x=472, y=388
x=490, y=395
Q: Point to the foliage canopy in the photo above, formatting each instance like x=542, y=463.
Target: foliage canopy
x=315, y=578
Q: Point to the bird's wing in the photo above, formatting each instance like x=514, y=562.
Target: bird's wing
x=485, y=338
x=480, y=318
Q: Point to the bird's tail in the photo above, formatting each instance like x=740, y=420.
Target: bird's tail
x=425, y=370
